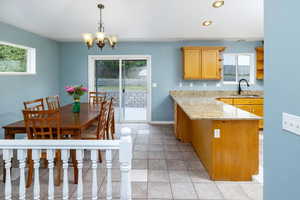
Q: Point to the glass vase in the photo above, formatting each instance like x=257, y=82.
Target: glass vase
x=76, y=106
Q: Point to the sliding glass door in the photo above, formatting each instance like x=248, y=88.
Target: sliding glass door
x=125, y=78
x=134, y=90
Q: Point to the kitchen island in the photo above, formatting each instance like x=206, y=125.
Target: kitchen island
x=225, y=138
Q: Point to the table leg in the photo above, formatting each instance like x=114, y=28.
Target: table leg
x=73, y=156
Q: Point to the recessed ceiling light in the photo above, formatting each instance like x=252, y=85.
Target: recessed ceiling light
x=218, y=3
x=207, y=23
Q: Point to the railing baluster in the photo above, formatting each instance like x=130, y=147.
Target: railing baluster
x=79, y=158
x=125, y=156
x=7, y=155
x=22, y=158
x=65, y=157
x=108, y=158
x=50, y=158
x=36, y=186
x=94, y=158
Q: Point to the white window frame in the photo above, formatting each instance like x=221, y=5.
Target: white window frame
x=31, y=60
x=252, y=68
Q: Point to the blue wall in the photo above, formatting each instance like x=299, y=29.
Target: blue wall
x=282, y=94
x=15, y=89
x=166, y=68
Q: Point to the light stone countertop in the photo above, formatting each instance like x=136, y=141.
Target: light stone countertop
x=204, y=105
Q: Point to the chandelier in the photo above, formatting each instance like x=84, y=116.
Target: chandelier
x=100, y=37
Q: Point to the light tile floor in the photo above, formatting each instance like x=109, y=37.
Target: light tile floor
x=163, y=168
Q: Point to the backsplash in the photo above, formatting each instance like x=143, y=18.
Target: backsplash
x=215, y=85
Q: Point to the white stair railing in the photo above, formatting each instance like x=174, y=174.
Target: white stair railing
x=124, y=145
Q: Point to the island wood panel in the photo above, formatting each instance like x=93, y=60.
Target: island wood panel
x=236, y=152
x=202, y=138
x=175, y=119
x=183, y=126
x=232, y=157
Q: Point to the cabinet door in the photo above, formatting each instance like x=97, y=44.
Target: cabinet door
x=247, y=108
x=248, y=101
x=210, y=64
x=192, y=64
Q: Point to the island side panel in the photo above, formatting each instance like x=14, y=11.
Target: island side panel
x=236, y=152
x=183, y=130
x=175, y=120
x=202, y=136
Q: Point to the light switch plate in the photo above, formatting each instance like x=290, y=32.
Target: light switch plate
x=154, y=85
x=191, y=85
x=291, y=123
x=217, y=133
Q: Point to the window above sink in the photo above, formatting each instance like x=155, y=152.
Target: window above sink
x=238, y=66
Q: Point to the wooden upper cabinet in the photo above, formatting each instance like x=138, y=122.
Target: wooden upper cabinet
x=192, y=59
x=259, y=63
x=210, y=64
x=201, y=63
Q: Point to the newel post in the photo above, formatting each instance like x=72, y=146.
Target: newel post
x=125, y=156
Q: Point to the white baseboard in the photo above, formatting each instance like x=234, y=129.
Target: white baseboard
x=161, y=122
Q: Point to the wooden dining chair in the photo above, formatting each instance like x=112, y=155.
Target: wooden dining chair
x=43, y=125
x=99, y=132
x=53, y=102
x=35, y=105
x=97, y=97
x=110, y=126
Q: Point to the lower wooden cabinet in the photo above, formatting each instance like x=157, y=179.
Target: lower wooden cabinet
x=252, y=105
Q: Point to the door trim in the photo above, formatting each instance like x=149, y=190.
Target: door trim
x=91, y=73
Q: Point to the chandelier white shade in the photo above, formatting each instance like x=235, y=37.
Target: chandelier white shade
x=99, y=37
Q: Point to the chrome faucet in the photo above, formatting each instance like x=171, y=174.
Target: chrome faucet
x=240, y=88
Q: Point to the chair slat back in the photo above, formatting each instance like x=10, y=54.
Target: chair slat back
x=97, y=97
x=111, y=115
x=53, y=102
x=35, y=105
x=102, y=119
x=44, y=124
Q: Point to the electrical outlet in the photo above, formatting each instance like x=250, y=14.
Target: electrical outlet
x=204, y=84
x=154, y=85
x=217, y=133
x=291, y=123
x=180, y=84
x=191, y=85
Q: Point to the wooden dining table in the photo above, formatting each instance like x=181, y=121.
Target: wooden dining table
x=72, y=124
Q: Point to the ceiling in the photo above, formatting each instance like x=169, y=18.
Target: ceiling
x=137, y=20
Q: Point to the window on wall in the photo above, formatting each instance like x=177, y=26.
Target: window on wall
x=238, y=66
x=16, y=59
